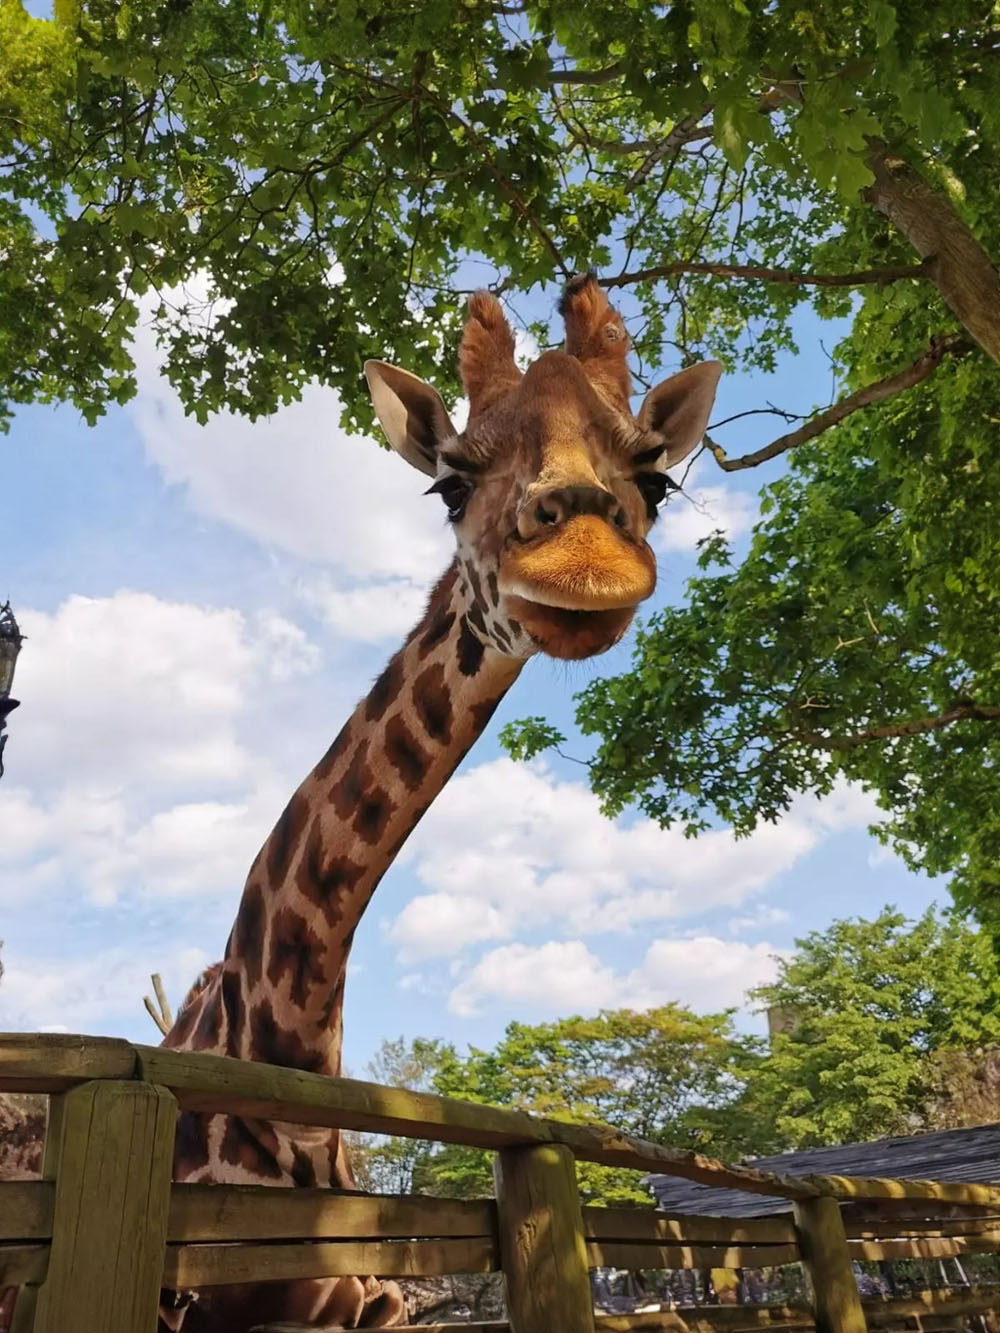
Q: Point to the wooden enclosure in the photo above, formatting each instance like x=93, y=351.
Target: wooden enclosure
x=93, y=1241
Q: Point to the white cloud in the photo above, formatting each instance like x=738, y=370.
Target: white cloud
x=131, y=685
x=562, y=977
x=37, y=993
x=296, y=480
x=508, y=848
x=369, y=613
x=132, y=727
x=690, y=517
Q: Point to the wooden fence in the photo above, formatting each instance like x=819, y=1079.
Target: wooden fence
x=93, y=1241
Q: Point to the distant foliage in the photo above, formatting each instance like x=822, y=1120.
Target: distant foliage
x=877, y=1019
x=874, y=1012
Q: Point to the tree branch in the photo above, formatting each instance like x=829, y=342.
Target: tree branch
x=955, y=261
x=780, y=275
x=925, y=364
x=914, y=727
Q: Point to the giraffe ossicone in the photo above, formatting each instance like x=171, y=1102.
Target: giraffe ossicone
x=551, y=490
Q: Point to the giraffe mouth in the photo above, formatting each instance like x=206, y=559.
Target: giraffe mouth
x=584, y=565
x=570, y=635
x=575, y=590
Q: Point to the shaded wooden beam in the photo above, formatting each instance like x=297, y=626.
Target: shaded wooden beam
x=622, y=1254
x=216, y=1265
x=112, y=1190
x=260, y=1212
x=836, y=1303
x=542, y=1249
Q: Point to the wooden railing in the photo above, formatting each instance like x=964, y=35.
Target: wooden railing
x=92, y=1242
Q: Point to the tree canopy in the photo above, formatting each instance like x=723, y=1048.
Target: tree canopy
x=877, y=1027
x=286, y=189
x=865, y=1011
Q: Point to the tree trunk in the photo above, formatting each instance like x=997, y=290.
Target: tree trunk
x=956, y=263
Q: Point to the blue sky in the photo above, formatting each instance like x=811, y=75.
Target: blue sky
x=205, y=605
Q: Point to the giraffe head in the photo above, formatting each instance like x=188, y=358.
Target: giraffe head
x=554, y=484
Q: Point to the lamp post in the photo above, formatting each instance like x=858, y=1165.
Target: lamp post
x=11, y=639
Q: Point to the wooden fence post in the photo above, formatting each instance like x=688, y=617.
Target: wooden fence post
x=543, y=1251
x=836, y=1303
x=112, y=1154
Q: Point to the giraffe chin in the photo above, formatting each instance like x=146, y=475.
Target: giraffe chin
x=570, y=635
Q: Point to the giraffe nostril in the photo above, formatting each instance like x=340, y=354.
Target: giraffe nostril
x=619, y=518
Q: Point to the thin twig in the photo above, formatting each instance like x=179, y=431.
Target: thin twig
x=765, y=274
x=925, y=365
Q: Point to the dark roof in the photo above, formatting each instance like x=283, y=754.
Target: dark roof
x=950, y=1154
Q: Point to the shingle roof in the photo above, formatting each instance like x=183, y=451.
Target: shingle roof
x=951, y=1154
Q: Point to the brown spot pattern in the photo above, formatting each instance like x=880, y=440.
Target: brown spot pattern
x=191, y=1143
x=482, y=712
x=275, y=1046
x=470, y=650
x=256, y=1152
x=432, y=703
x=374, y=812
x=303, y=1171
x=437, y=632
x=404, y=752
x=281, y=844
x=232, y=1004
x=335, y=753
x=325, y=881
x=247, y=939
x=345, y=794
x=385, y=689
x=209, y=1022
x=296, y=951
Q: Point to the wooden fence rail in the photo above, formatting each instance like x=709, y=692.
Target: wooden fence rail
x=92, y=1242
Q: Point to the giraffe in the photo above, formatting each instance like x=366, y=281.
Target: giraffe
x=551, y=491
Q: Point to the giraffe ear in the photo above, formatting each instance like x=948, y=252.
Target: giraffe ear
x=678, y=409
x=414, y=418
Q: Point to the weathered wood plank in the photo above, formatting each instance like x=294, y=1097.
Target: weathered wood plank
x=945, y=1301
x=906, y=1227
x=50, y=1062
x=214, y=1083
x=542, y=1249
x=836, y=1303
x=112, y=1191
x=214, y=1265
x=22, y=1263
x=256, y=1212
x=26, y=1209
x=944, y=1248
x=870, y=1187
x=217, y=1083
x=621, y=1254
x=645, y=1224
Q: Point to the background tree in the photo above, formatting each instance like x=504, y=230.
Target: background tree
x=286, y=190
x=386, y=1164
x=874, y=1012
x=884, y=1026
x=664, y=1074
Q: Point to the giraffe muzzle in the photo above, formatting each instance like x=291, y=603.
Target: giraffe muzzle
x=585, y=564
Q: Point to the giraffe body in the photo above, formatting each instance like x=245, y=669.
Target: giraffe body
x=551, y=489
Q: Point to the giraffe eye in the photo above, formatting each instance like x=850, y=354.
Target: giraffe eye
x=652, y=487
x=455, y=492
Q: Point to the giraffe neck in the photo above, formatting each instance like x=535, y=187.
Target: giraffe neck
x=278, y=995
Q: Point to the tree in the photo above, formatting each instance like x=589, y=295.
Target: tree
x=386, y=1164
x=286, y=190
x=873, y=1011
x=663, y=1074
